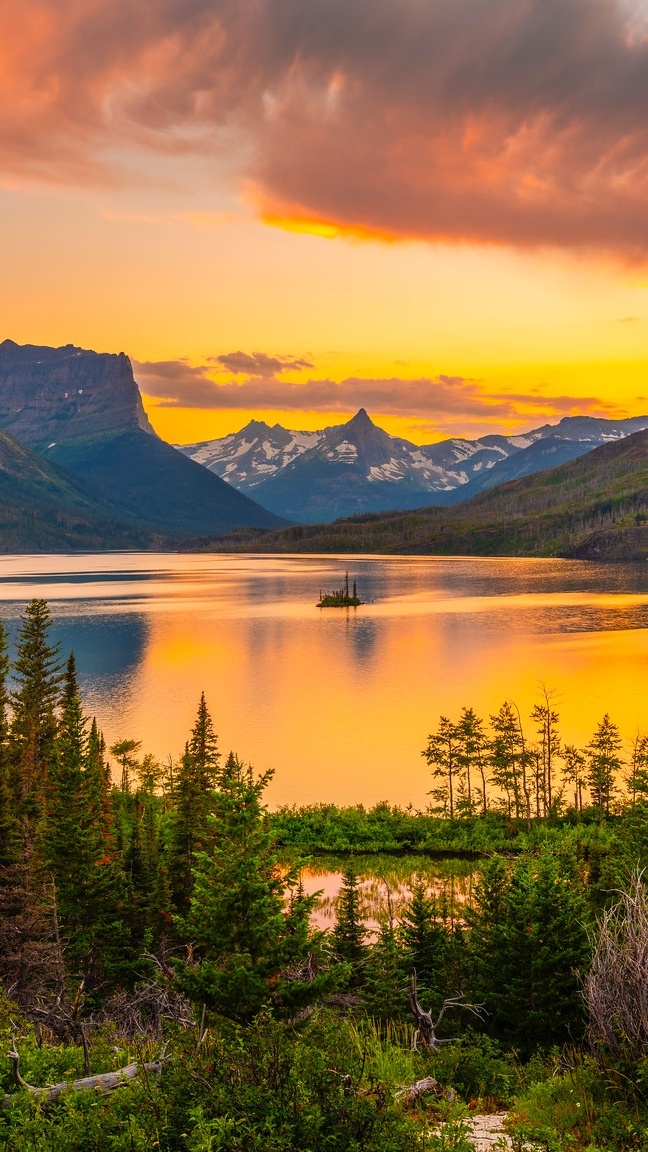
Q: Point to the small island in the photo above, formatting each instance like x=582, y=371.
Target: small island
x=341, y=598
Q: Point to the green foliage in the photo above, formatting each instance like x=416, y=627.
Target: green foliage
x=349, y=931
x=265, y=1088
x=36, y=671
x=386, y=977
x=528, y=942
x=427, y=944
x=193, y=795
x=252, y=951
x=604, y=764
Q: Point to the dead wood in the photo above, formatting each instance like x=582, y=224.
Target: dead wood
x=426, y=1027
x=102, y=1084
x=616, y=987
x=412, y=1092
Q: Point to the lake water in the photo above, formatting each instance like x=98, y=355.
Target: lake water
x=385, y=885
x=339, y=702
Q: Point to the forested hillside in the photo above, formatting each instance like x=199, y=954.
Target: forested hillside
x=156, y=939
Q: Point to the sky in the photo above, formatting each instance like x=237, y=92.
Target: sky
x=288, y=209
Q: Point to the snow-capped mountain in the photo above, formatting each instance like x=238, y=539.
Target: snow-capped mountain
x=357, y=467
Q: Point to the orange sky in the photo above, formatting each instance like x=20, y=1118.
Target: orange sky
x=435, y=210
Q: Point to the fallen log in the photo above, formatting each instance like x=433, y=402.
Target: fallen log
x=412, y=1092
x=102, y=1084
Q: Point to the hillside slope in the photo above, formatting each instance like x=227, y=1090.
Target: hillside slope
x=592, y=507
x=43, y=509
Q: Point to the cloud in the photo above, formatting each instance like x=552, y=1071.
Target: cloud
x=515, y=122
x=259, y=363
x=444, y=398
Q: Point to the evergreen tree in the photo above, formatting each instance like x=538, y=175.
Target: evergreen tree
x=349, y=931
x=506, y=757
x=603, y=764
x=426, y=942
x=150, y=910
x=472, y=756
x=441, y=754
x=637, y=779
x=252, y=947
x=99, y=787
x=546, y=719
x=528, y=941
x=124, y=753
x=575, y=773
x=9, y=828
x=73, y=844
x=194, y=794
x=386, y=977
x=33, y=731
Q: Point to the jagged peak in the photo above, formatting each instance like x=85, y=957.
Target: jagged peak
x=361, y=417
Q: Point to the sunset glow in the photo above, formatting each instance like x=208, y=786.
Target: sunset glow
x=444, y=205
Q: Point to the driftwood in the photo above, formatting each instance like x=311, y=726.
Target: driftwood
x=412, y=1093
x=102, y=1084
x=426, y=1027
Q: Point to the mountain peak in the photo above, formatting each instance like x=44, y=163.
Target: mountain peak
x=361, y=418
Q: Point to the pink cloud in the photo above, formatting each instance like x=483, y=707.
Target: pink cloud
x=520, y=122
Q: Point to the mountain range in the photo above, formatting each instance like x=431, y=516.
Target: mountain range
x=353, y=468
x=75, y=432
x=594, y=507
x=81, y=468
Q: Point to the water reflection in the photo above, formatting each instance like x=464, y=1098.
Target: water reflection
x=387, y=881
x=340, y=703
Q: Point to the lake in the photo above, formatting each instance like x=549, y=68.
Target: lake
x=385, y=884
x=339, y=702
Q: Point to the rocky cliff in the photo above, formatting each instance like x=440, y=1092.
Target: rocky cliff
x=82, y=411
x=54, y=396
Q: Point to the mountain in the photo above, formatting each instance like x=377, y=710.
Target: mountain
x=44, y=509
x=83, y=411
x=594, y=507
x=356, y=467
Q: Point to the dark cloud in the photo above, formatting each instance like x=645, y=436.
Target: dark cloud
x=259, y=364
x=519, y=122
x=174, y=384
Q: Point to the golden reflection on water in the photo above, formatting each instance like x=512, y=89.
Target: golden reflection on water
x=340, y=703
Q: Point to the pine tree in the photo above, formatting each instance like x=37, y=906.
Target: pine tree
x=349, y=931
x=528, y=940
x=252, y=947
x=33, y=731
x=506, y=757
x=426, y=943
x=472, y=755
x=546, y=719
x=150, y=909
x=441, y=754
x=574, y=772
x=99, y=787
x=194, y=794
x=386, y=977
x=637, y=779
x=604, y=763
x=72, y=841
